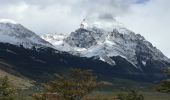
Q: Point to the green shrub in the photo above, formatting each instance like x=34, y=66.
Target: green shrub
x=130, y=95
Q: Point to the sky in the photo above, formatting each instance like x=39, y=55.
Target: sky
x=150, y=18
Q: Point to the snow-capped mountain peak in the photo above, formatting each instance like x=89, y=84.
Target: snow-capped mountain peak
x=8, y=21
x=104, y=38
x=16, y=34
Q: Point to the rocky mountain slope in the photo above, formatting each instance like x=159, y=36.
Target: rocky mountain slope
x=105, y=39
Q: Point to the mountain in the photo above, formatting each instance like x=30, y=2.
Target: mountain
x=110, y=53
x=14, y=33
x=109, y=41
x=26, y=56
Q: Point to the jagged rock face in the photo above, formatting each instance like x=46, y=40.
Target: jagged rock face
x=19, y=35
x=82, y=38
x=132, y=45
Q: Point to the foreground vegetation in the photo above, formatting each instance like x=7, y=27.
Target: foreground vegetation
x=73, y=86
x=79, y=84
x=6, y=90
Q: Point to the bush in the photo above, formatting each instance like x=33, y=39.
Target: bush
x=130, y=95
x=164, y=85
x=6, y=90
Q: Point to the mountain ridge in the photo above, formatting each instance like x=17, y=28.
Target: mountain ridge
x=93, y=41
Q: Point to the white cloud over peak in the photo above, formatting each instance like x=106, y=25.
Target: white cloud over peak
x=43, y=16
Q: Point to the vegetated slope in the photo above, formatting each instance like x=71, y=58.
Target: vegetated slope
x=15, y=78
x=41, y=64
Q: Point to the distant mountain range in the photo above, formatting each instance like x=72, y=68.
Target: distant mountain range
x=104, y=46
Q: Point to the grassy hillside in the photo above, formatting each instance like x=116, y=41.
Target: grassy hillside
x=17, y=80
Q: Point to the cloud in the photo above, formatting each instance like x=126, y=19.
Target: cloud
x=40, y=18
x=44, y=16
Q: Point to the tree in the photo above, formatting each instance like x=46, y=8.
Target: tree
x=164, y=85
x=6, y=90
x=130, y=95
x=72, y=86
